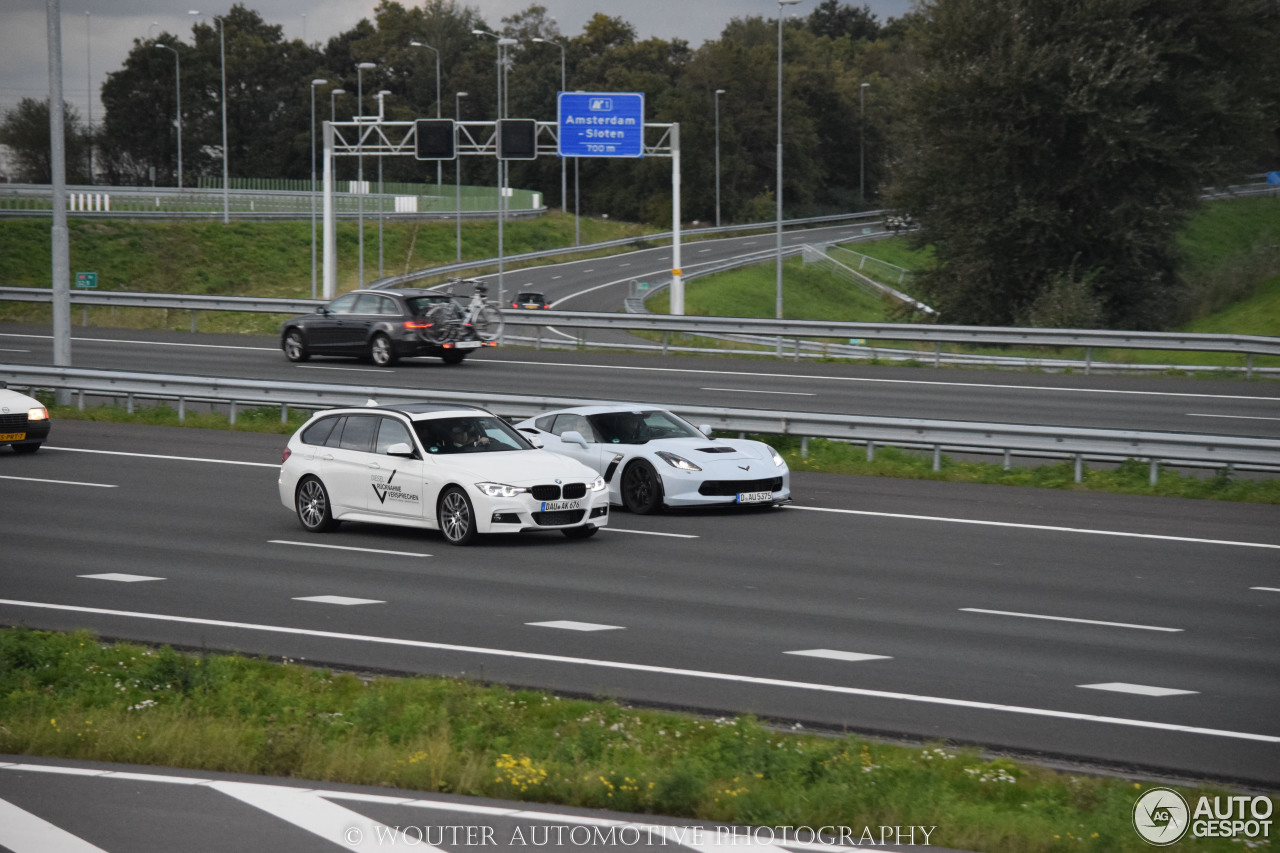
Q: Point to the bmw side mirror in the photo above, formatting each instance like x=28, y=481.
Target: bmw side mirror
x=574, y=437
x=401, y=448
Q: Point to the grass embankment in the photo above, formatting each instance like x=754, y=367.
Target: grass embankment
x=69, y=695
x=1232, y=264
x=262, y=259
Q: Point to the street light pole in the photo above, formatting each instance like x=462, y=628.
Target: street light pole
x=719, y=92
x=439, y=165
x=360, y=69
x=333, y=97
x=862, y=169
x=222, y=53
x=317, y=82
x=457, y=173
x=382, y=94
x=88, y=78
x=564, y=183
x=177, y=87
x=778, y=314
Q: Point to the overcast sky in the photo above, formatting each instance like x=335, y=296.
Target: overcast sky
x=98, y=34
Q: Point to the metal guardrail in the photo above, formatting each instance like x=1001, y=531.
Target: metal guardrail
x=1247, y=346
x=940, y=435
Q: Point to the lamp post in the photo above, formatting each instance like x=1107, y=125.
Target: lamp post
x=333, y=96
x=564, y=202
x=177, y=87
x=439, y=165
x=862, y=169
x=503, y=44
x=719, y=92
x=360, y=69
x=781, y=3
x=316, y=82
x=382, y=94
x=457, y=174
x=88, y=81
x=222, y=54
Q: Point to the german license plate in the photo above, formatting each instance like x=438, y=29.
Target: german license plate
x=468, y=344
x=754, y=497
x=12, y=436
x=554, y=506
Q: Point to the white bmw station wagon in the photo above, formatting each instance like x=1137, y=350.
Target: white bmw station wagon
x=463, y=471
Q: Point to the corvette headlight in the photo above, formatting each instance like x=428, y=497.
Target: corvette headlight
x=677, y=461
x=500, y=490
x=777, y=460
x=597, y=485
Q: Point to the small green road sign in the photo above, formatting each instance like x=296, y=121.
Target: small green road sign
x=86, y=279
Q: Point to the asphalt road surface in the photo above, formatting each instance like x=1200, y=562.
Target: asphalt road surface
x=1124, y=631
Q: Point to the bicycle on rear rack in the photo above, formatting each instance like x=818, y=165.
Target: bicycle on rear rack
x=478, y=320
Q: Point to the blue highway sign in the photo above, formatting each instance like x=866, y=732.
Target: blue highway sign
x=601, y=124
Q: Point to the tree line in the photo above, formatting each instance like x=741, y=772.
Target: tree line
x=1049, y=149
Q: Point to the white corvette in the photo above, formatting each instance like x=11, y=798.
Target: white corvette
x=455, y=469
x=652, y=459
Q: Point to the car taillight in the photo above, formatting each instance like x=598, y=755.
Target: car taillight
x=284, y=456
x=417, y=324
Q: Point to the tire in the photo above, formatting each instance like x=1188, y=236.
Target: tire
x=454, y=356
x=295, y=346
x=26, y=448
x=641, y=488
x=456, y=517
x=382, y=352
x=311, y=500
x=586, y=531
x=439, y=325
x=488, y=324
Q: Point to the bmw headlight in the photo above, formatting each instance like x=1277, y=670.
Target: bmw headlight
x=676, y=461
x=500, y=490
x=597, y=485
x=777, y=460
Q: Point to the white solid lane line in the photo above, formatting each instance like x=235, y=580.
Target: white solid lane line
x=336, y=367
x=569, y=625
x=345, y=548
x=649, y=533
x=1068, y=619
x=833, y=654
x=1232, y=417
x=161, y=456
x=753, y=391
x=1046, y=527
x=1138, y=689
x=650, y=669
x=60, y=482
x=1265, y=588
x=120, y=577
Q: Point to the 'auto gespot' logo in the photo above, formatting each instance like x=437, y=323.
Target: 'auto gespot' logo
x=1162, y=817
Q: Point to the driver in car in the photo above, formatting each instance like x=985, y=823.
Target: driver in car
x=466, y=436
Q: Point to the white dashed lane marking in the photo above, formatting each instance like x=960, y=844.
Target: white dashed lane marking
x=1138, y=689
x=832, y=654
x=567, y=625
x=122, y=578
x=338, y=599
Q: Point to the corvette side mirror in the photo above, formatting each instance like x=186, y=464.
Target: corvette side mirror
x=574, y=437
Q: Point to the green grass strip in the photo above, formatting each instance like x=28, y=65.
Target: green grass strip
x=72, y=696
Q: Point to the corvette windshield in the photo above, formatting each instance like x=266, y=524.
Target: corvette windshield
x=470, y=434
x=641, y=426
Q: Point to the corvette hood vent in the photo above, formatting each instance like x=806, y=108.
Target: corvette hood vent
x=717, y=449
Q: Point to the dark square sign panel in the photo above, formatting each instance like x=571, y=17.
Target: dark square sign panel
x=601, y=124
